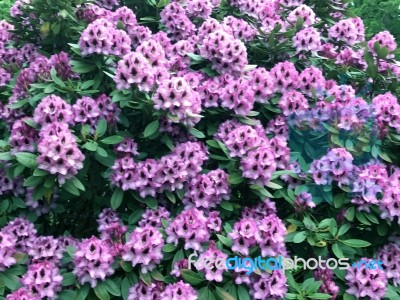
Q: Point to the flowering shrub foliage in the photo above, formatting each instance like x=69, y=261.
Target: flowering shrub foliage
x=135, y=133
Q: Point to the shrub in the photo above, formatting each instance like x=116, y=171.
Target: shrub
x=135, y=134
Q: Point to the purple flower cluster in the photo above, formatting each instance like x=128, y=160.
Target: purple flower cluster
x=390, y=203
x=53, y=109
x=328, y=284
x=262, y=84
x=389, y=255
x=267, y=231
x=143, y=291
x=227, y=54
x=303, y=202
x=45, y=249
x=153, y=217
x=155, y=176
x=292, y=102
x=176, y=97
x=93, y=261
x=179, y=290
x=346, y=31
x=101, y=37
x=21, y=232
x=90, y=111
x=284, y=76
x=7, y=251
x=371, y=180
x=43, y=279
x=23, y=137
x=388, y=111
x=365, y=282
x=127, y=147
x=134, y=68
x=305, y=13
x=189, y=226
x=239, y=28
x=144, y=248
x=59, y=152
x=238, y=96
x=337, y=165
x=384, y=39
x=212, y=251
x=111, y=229
x=269, y=286
x=207, y=190
x=308, y=39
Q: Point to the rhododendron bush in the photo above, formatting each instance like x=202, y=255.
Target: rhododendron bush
x=136, y=133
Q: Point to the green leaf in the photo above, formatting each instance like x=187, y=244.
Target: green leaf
x=225, y=240
x=337, y=251
x=382, y=229
x=169, y=248
x=156, y=274
x=391, y=293
x=82, y=292
x=146, y=278
x=91, y=146
x=226, y=205
x=178, y=256
x=292, y=283
x=235, y=178
x=87, y=84
x=243, y=294
x=77, y=183
x=333, y=227
x=195, y=57
x=5, y=156
x=343, y=229
x=152, y=203
x=56, y=79
x=112, y=140
x=101, y=128
x=39, y=172
x=101, y=152
x=116, y=198
x=67, y=295
x=300, y=237
x=206, y=294
x=82, y=67
x=350, y=213
x=33, y=181
x=151, y=128
x=274, y=186
x=356, y=243
x=112, y=288
x=68, y=279
x=27, y=159
x=196, y=133
x=310, y=286
x=70, y=188
x=319, y=296
x=11, y=281
x=18, y=104
x=224, y=295
x=125, y=286
x=101, y=291
x=135, y=216
x=170, y=196
x=192, y=277
x=348, y=297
